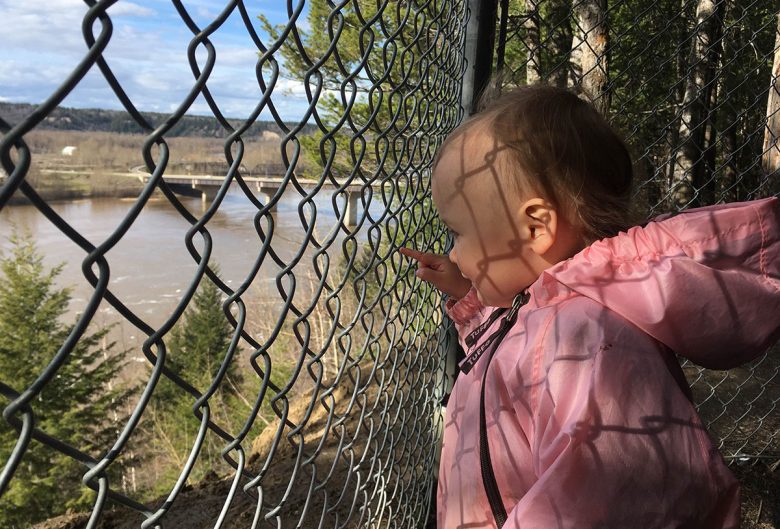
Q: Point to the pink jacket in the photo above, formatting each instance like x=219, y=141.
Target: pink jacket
x=587, y=425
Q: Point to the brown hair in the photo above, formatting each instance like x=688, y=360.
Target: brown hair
x=560, y=146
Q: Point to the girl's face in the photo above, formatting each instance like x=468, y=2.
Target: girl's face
x=491, y=244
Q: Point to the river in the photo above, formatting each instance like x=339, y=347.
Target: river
x=151, y=267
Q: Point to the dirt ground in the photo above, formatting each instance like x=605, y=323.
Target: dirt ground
x=739, y=406
x=760, y=495
x=350, y=480
x=198, y=506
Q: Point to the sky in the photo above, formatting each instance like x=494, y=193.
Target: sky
x=41, y=43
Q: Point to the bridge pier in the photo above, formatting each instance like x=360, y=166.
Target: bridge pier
x=207, y=187
x=268, y=192
x=352, y=206
x=353, y=198
x=207, y=194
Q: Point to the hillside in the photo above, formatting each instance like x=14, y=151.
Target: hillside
x=100, y=120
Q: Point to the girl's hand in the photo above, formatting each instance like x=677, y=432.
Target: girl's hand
x=440, y=272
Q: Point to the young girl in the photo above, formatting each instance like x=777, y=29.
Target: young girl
x=571, y=410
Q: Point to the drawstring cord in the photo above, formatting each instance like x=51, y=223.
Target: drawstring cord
x=510, y=315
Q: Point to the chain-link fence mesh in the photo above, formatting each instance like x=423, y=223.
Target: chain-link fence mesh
x=343, y=346
x=693, y=86
x=322, y=409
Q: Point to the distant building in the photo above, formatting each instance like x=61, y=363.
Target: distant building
x=69, y=150
x=269, y=135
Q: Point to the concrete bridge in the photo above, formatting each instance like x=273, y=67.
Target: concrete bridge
x=208, y=185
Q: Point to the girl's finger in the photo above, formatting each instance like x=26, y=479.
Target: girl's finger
x=424, y=258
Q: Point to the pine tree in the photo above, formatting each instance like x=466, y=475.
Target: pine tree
x=375, y=75
x=73, y=406
x=197, y=346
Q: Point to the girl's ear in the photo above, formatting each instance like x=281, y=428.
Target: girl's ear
x=538, y=225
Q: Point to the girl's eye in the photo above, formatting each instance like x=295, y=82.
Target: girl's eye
x=454, y=234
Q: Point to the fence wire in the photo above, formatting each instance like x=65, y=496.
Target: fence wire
x=349, y=364
x=345, y=357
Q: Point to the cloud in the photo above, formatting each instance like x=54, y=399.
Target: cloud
x=130, y=9
x=154, y=82
x=244, y=56
x=35, y=24
x=42, y=44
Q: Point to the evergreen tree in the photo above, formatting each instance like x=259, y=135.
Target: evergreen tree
x=386, y=105
x=376, y=98
x=73, y=406
x=197, y=346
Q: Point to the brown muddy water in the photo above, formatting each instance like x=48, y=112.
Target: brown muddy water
x=150, y=267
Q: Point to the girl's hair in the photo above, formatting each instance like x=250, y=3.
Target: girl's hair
x=559, y=145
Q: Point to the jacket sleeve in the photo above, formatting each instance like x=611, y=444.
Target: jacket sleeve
x=616, y=443
x=466, y=312
x=681, y=279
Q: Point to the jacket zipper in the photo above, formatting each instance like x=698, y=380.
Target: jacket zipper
x=486, y=467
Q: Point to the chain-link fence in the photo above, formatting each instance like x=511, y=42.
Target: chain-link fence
x=344, y=355
x=320, y=407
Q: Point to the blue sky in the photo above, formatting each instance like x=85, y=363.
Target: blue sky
x=41, y=44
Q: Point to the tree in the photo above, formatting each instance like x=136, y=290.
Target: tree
x=590, y=51
x=538, y=42
x=374, y=63
x=771, y=152
x=533, y=68
x=198, y=344
x=558, y=12
x=688, y=175
x=72, y=407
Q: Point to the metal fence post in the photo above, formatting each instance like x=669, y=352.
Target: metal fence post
x=478, y=53
x=480, y=39
x=480, y=36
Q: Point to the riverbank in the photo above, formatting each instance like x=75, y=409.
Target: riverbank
x=72, y=165
x=70, y=185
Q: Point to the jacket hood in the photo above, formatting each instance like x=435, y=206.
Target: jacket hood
x=705, y=282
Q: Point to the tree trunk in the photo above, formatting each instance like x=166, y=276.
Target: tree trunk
x=709, y=156
x=592, y=44
x=559, y=41
x=533, y=64
x=575, y=59
x=770, y=161
x=688, y=174
x=715, y=91
x=727, y=184
x=673, y=133
x=724, y=189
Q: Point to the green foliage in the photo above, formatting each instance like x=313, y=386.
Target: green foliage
x=198, y=345
x=77, y=405
x=555, y=27
x=740, y=116
x=648, y=62
x=373, y=61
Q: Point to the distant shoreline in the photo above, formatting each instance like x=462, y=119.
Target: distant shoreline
x=119, y=121
x=73, y=165
x=64, y=195
x=60, y=187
